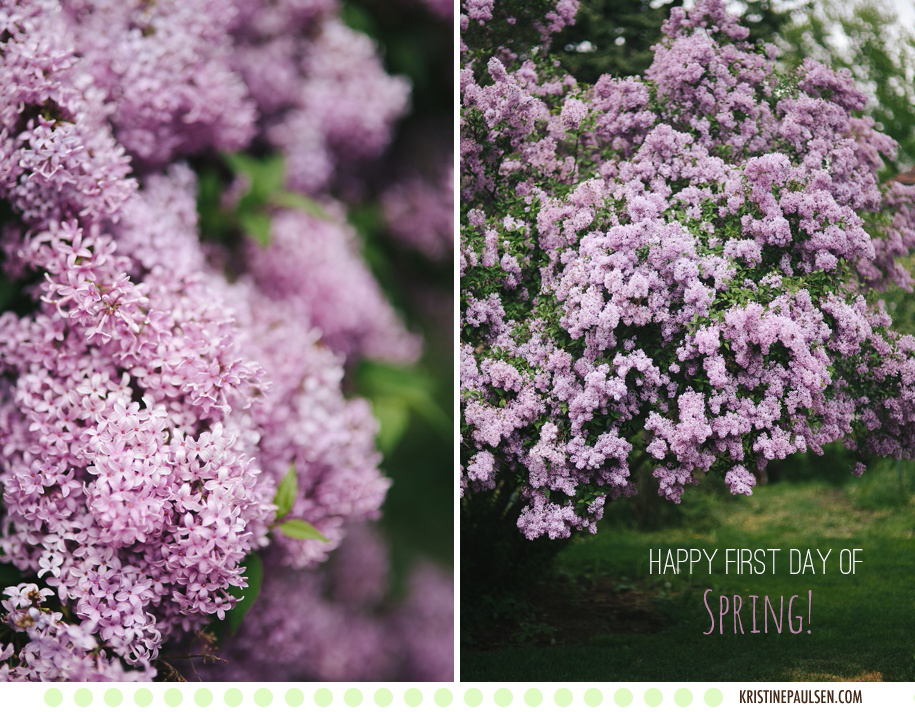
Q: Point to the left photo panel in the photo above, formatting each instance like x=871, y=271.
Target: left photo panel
x=226, y=340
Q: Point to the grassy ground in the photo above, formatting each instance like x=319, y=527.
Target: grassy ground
x=604, y=617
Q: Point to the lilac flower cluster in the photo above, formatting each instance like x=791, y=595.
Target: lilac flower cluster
x=341, y=625
x=149, y=405
x=323, y=97
x=419, y=209
x=56, y=651
x=673, y=273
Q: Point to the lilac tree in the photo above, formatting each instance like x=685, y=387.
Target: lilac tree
x=671, y=274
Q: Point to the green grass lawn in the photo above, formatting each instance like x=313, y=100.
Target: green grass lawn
x=607, y=618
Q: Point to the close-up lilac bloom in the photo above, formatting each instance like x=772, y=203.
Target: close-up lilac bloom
x=194, y=313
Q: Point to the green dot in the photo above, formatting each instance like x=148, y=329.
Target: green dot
x=173, y=697
x=352, y=697
x=473, y=697
x=53, y=697
x=443, y=697
x=593, y=697
x=563, y=697
x=713, y=697
x=233, y=697
x=83, y=697
x=383, y=697
x=623, y=697
x=533, y=697
x=143, y=697
x=653, y=697
x=263, y=697
x=683, y=697
x=294, y=697
x=413, y=697
x=203, y=697
x=113, y=697
x=503, y=697
x=323, y=697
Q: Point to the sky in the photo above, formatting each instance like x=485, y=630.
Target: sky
x=906, y=10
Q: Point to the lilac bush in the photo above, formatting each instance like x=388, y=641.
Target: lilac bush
x=671, y=274
x=169, y=407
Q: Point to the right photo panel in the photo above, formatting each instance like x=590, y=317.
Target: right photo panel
x=687, y=369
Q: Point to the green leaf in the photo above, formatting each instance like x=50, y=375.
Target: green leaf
x=266, y=175
x=379, y=381
x=393, y=415
x=300, y=529
x=257, y=225
x=286, y=493
x=254, y=573
x=297, y=201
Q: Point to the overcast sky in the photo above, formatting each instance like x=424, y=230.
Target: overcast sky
x=906, y=10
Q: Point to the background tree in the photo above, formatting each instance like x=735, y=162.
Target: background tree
x=616, y=36
x=868, y=39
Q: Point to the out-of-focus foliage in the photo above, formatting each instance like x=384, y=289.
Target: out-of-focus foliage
x=412, y=404
x=868, y=39
x=616, y=36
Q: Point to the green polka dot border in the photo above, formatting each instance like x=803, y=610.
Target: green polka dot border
x=53, y=697
x=82, y=697
x=453, y=696
x=113, y=697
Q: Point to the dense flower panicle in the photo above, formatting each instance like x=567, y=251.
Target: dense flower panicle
x=335, y=623
x=324, y=98
x=419, y=211
x=106, y=495
x=665, y=272
x=304, y=421
x=313, y=264
x=58, y=158
x=117, y=379
x=149, y=407
x=166, y=69
x=56, y=651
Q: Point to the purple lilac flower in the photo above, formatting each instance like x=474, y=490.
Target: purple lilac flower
x=339, y=624
x=149, y=406
x=667, y=272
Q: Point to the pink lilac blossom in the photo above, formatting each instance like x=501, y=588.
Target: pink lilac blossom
x=313, y=264
x=149, y=407
x=339, y=624
x=56, y=651
x=419, y=211
x=669, y=273
x=324, y=98
x=166, y=69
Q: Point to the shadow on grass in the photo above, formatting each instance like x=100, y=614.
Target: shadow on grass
x=603, y=616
